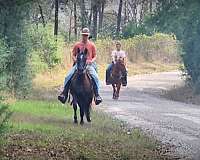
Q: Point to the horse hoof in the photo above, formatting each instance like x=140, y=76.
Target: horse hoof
x=89, y=119
x=81, y=123
x=75, y=121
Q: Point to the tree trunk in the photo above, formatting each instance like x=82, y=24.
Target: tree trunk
x=90, y=19
x=150, y=6
x=125, y=12
x=119, y=16
x=70, y=25
x=95, y=15
x=83, y=14
x=56, y=18
x=41, y=13
x=75, y=20
x=142, y=11
x=101, y=13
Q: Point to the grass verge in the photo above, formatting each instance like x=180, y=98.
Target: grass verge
x=44, y=130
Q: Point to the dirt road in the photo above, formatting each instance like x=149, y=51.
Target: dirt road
x=173, y=123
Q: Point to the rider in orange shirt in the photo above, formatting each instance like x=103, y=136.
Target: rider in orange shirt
x=91, y=66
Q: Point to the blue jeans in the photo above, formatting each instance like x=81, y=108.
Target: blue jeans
x=92, y=69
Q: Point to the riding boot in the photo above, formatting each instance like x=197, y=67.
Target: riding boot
x=63, y=96
x=124, y=80
x=98, y=99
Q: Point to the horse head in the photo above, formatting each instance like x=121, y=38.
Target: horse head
x=119, y=69
x=81, y=61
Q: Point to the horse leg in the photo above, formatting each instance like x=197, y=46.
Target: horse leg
x=114, y=90
x=81, y=114
x=75, y=113
x=118, y=89
x=87, y=110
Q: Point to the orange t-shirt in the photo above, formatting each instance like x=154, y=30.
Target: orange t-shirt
x=90, y=47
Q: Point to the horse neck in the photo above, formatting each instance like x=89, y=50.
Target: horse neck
x=81, y=77
x=116, y=68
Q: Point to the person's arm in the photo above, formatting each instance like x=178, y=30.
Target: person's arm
x=94, y=55
x=125, y=61
x=94, y=59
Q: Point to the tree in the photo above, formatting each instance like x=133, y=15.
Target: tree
x=119, y=15
x=95, y=16
x=83, y=14
x=15, y=72
x=75, y=19
x=183, y=19
x=41, y=13
x=101, y=14
x=56, y=17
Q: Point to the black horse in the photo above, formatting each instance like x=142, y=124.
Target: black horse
x=81, y=88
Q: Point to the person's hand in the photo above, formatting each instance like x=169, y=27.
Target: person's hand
x=89, y=62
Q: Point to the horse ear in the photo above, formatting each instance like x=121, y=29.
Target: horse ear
x=85, y=51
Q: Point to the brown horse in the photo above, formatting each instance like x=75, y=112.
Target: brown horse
x=118, y=72
x=81, y=88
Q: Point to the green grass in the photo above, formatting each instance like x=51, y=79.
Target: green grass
x=41, y=108
x=45, y=129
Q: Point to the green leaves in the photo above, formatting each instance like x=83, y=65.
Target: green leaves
x=182, y=17
x=45, y=45
x=4, y=116
x=14, y=67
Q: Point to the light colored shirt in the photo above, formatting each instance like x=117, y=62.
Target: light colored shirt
x=90, y=47
x=118, y=54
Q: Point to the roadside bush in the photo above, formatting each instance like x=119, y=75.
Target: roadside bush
x=46, y=50
x=4, y=116
x=158, y=47
x=132, y=29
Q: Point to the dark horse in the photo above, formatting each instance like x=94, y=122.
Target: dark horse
x=81, y=88
x=118, y=77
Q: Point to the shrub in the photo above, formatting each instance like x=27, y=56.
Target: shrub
x=46, y=50
x=132, y=29
x=4, y=116
x=159, y=47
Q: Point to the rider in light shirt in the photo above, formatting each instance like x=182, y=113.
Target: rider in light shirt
x=117, y=54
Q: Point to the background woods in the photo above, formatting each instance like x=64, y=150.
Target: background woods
x=28, y=29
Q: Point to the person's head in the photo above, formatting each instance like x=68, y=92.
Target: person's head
x=118, y=45
x=85, y=34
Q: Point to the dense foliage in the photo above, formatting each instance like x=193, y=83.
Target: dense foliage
x=25, y=46
x=27, y=42
x=14, y=71
x=182, y=17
